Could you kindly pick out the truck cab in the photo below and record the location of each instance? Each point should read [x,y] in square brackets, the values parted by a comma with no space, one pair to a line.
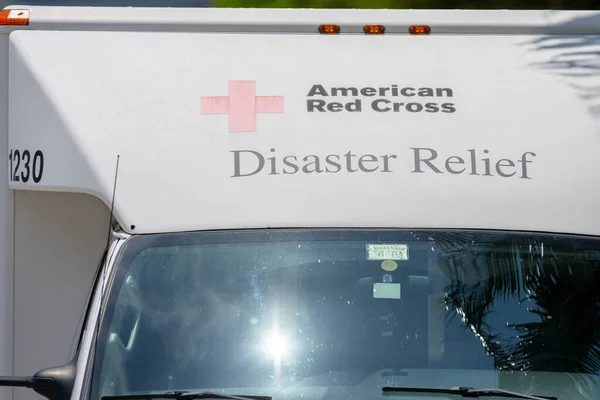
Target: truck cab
[299,204]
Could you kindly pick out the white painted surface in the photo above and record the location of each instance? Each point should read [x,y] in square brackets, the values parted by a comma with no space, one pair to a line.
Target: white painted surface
[6,232]
[59,239]
[99,94]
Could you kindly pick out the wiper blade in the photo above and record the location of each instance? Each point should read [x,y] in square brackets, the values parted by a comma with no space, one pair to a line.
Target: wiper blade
[468,392]
[183,395]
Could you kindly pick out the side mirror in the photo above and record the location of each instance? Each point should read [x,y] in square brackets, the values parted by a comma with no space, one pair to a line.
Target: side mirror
[53,383]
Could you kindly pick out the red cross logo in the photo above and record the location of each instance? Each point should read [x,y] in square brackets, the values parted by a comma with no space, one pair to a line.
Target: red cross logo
[242,104]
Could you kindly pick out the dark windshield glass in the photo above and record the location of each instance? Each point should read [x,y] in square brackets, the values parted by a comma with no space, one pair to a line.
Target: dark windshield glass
[299,314]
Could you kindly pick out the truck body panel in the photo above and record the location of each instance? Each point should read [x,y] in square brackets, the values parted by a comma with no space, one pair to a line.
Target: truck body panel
[313,126]
[6,232]
[59,240]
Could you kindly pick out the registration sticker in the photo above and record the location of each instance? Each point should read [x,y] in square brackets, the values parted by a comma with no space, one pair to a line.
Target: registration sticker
[386,291]
[387,252]
[389,265]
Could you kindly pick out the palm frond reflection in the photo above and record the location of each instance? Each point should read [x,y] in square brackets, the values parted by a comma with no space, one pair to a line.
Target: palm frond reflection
[558,289]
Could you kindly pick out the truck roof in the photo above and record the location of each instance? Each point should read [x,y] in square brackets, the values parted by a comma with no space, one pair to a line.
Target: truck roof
[503,22]
[218,129]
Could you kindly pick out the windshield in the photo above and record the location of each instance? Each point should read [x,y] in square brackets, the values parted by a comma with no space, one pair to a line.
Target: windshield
[322,314]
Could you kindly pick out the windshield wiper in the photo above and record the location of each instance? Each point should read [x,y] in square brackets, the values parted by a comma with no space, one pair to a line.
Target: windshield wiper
[468,392]
[183,395]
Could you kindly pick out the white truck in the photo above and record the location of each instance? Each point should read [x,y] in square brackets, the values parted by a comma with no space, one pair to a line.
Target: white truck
[299,204]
